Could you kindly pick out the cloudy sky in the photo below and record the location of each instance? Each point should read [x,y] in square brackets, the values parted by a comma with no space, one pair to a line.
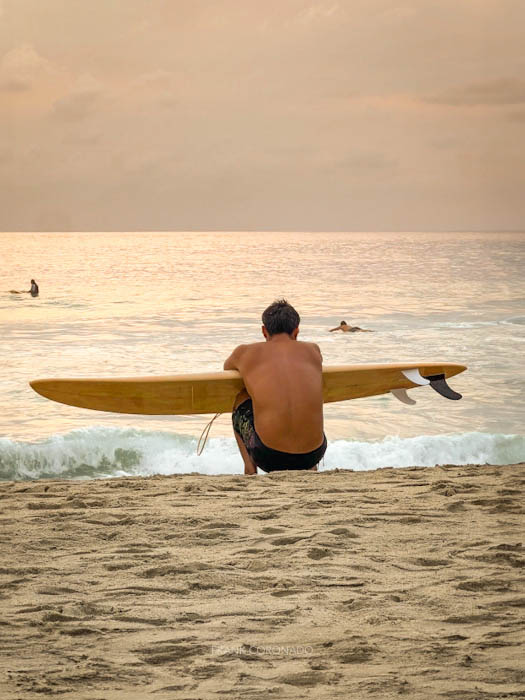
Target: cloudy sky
[262,115]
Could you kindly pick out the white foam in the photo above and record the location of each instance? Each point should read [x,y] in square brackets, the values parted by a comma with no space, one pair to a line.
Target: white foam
[107,452]
[426,451]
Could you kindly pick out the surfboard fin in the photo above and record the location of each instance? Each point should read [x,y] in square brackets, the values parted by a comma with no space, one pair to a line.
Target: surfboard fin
[415,377]
[439,384]
[401,395]
[436,381]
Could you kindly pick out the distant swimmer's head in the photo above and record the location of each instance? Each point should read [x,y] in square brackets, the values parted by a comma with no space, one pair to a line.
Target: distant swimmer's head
[280,317]
[343,323]
[33,282]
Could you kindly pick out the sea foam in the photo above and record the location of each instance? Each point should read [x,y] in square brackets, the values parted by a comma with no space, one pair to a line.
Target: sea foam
[98,452]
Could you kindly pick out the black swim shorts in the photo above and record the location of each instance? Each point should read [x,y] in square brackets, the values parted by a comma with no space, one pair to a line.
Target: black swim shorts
[266,458]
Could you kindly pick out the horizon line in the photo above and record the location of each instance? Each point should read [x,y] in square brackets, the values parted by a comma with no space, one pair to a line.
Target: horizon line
[254,230]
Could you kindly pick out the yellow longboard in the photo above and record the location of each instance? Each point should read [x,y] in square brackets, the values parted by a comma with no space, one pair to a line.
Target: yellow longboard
[215,392]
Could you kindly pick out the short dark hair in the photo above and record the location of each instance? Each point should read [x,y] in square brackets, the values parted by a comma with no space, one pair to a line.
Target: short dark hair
[280,317]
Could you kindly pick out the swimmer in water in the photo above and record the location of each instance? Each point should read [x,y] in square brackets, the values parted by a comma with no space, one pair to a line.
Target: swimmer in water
[343,326]
[33,291]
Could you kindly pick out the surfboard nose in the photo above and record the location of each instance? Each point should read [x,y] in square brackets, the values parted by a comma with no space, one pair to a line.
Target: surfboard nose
[39,385]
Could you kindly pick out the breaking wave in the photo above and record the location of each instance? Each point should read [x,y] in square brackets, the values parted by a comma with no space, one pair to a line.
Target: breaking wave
[98,452]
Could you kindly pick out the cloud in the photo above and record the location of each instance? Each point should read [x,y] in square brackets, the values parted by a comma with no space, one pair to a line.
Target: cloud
[290,106]
[80,101]
[505,91]
[155,87]
[317,11]
[22,67]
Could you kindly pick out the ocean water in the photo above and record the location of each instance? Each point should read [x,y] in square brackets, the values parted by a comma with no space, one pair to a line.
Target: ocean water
[124,304]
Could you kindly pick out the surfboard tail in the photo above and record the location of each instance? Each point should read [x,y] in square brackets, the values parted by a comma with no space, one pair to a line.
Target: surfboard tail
[438,382]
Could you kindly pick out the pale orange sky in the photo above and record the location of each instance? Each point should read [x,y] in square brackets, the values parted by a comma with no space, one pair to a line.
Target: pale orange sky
[262,115]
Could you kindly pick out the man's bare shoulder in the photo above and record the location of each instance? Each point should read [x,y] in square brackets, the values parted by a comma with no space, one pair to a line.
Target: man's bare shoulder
[312,347]
[233,360]
[249,348]
[309,344]
[240,354]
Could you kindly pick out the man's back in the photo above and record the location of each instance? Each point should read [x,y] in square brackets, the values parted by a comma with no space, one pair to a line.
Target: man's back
[284,380]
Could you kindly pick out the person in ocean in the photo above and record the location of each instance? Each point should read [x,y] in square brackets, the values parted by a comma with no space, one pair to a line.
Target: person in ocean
[278,418]
[343,326]
[34,291]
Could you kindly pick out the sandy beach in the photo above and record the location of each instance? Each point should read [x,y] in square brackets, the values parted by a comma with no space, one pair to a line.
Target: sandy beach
[332,585]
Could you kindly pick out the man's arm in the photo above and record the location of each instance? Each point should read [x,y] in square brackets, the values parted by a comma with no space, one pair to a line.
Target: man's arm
[335,329]
[233,360]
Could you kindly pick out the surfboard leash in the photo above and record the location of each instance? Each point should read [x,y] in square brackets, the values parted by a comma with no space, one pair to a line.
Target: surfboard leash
[204,435]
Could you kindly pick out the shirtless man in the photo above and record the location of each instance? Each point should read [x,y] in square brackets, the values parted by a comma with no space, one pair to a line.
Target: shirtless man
[343,326]
[278,419]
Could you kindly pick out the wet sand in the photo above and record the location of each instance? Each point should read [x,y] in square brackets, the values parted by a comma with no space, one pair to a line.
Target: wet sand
[395,582]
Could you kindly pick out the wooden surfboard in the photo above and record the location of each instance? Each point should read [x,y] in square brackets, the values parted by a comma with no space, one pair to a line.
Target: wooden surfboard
[215,392]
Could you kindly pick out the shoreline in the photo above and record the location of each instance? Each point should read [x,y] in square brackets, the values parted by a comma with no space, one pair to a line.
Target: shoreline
[325,585]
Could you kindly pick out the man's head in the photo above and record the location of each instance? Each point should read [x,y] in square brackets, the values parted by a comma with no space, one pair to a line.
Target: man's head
[280,317]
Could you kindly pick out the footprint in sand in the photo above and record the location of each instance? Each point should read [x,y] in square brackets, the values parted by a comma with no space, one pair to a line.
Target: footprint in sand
[501,558]
[508,602]
[154,621]
[309,679]
[456,507]
[208,671]
[19,570]
[344,532]
[59,617]
[285,541]
[170,651]
[424,561]
[55,590]
[120,566]
[484,585]
[471,619]
[499,505]
[317,553]
[266,515]
[173,570]
[518,547]
[43,506]
[358,654]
